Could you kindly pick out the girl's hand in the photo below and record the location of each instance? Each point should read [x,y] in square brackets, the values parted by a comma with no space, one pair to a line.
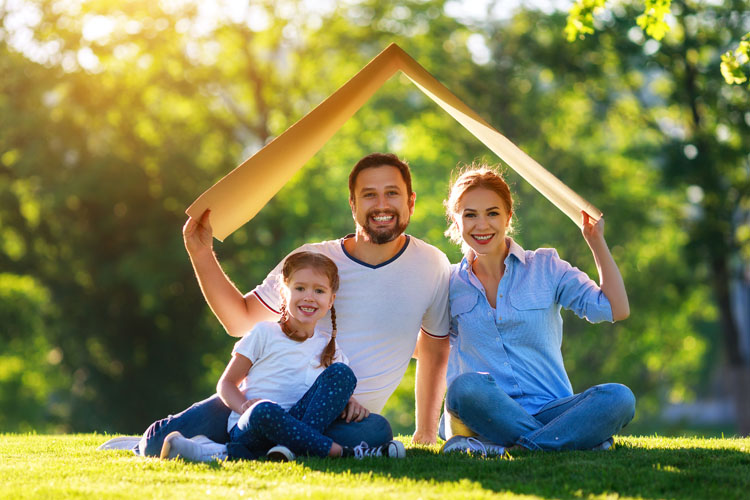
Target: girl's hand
[247,404]
[354,411]
[592,232]
[197,234]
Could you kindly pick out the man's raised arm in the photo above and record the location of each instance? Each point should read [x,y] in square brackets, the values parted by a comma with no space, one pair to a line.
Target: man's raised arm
[237,313]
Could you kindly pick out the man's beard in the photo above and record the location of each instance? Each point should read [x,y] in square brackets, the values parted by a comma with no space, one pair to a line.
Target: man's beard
[380,236]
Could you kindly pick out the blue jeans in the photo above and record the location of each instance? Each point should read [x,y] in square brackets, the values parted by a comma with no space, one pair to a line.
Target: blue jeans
[266,424]
[578,422]
[209,418]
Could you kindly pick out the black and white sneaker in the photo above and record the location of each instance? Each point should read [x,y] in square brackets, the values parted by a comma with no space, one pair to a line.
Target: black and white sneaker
[391,449]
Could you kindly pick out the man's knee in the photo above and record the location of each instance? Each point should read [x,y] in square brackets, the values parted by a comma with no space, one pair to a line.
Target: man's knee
[373,430]
[378,429]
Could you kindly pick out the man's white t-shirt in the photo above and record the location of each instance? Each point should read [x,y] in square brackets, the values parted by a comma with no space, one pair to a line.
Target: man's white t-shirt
[380,310]
[283,369]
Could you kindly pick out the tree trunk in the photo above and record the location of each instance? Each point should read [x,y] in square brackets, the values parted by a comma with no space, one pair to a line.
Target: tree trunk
[738,368]
[739,378]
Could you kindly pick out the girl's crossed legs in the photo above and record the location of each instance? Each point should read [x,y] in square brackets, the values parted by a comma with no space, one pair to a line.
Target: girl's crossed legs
[578,422]
[266,424]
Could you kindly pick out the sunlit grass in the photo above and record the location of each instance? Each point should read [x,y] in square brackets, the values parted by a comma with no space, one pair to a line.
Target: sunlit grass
[69,466]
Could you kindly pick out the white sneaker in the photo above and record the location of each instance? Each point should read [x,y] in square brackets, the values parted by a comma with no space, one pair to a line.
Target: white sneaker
[391,449]
[606,445]
[473,445]
[280,453]
[200,450]
[121,443]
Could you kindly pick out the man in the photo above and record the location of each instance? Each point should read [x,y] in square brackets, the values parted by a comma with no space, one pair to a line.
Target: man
[393,296]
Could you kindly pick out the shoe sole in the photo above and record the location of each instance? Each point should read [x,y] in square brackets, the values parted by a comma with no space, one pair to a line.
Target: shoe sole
[400,449]
[120,443]
[277,455]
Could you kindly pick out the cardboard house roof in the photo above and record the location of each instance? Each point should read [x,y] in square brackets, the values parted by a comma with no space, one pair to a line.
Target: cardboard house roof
[242,193]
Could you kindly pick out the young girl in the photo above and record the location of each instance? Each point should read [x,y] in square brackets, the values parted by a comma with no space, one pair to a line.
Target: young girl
[507,384]
[287,381]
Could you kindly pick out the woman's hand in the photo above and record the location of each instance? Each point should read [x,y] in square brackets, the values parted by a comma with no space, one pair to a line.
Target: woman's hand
[198,235]
[354,411]
[592,231]
[610,279]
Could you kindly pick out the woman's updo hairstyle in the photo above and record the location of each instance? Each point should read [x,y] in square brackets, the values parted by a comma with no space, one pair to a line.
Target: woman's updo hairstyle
[476,175]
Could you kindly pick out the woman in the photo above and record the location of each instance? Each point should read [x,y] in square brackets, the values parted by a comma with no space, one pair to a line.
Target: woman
[507,384]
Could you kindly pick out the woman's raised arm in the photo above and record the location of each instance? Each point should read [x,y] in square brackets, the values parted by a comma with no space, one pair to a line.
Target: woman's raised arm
[610,279]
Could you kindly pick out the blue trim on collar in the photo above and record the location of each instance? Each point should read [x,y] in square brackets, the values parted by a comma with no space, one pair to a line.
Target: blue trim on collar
[403,249]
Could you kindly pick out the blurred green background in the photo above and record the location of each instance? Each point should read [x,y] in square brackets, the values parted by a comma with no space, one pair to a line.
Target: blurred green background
[115,116]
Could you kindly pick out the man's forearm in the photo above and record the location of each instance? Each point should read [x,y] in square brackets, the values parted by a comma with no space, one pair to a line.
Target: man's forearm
[429,386]
[224,299]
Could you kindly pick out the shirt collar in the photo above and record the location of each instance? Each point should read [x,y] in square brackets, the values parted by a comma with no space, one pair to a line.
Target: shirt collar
[514,249]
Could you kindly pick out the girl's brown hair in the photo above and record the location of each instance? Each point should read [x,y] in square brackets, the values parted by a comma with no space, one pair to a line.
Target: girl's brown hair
[476,175]
[324,265]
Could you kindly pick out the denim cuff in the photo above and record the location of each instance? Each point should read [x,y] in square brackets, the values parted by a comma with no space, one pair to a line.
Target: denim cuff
[528,443]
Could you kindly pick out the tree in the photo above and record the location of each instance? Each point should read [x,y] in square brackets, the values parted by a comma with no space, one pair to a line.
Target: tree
[120,114]
[707,155]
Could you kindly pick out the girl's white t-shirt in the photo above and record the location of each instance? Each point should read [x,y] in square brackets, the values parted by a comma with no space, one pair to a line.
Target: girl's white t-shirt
[283,369]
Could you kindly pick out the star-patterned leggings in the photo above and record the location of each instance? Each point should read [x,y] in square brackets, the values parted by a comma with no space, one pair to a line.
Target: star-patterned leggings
[266,424]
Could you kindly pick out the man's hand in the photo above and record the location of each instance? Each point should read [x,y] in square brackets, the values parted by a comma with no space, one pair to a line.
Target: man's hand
[198,235]
[354,411]
[420,437]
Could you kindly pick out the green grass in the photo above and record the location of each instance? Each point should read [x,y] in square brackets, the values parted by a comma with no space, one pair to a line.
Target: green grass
[69,466]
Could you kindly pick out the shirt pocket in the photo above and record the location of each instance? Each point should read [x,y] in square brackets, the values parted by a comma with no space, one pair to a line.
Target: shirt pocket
[528,301]
[462,304]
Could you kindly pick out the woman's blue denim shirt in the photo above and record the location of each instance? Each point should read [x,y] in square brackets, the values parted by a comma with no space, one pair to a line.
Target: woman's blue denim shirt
[518,342]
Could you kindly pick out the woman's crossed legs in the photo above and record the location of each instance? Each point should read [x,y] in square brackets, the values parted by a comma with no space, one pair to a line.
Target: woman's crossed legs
[578,422]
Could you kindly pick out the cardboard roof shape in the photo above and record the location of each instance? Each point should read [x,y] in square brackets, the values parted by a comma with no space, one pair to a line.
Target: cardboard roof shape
[242,193]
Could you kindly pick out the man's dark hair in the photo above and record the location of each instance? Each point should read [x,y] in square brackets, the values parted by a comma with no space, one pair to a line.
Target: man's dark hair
[378,160]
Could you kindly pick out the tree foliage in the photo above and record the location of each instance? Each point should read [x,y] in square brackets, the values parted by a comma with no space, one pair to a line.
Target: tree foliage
[115,116]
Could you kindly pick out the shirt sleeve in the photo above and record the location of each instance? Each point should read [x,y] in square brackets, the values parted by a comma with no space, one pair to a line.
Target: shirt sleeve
[252,345]
[577,292]
[340,357]
[436,320]
[268,292]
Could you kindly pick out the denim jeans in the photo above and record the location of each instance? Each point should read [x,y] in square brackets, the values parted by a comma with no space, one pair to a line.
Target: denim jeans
[266,424]
[578,422]
[209,418]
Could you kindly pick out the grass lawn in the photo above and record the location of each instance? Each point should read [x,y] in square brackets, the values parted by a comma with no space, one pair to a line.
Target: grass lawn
[69,466]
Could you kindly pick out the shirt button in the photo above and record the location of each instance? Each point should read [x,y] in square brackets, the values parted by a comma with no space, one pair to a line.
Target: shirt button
[515,386]
[499,318]
[506,363]
[500,295]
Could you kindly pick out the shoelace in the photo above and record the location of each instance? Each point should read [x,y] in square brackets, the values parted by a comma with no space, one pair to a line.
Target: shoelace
[476,445]
[363,450]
